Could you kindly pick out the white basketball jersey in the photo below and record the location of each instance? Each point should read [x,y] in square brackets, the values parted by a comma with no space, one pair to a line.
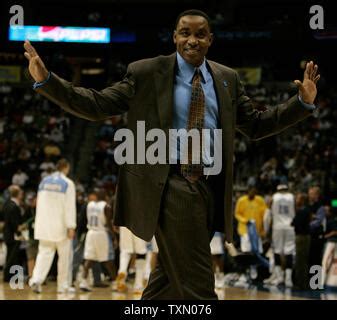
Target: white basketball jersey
[96,215]
[283,210]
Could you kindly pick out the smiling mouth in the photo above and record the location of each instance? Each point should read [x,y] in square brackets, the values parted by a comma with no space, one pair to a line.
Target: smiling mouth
[192,50]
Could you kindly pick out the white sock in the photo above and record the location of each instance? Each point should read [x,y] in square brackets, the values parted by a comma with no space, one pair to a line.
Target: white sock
[124,259]
[289,273]
[278,271]
[148,260]
[140,268]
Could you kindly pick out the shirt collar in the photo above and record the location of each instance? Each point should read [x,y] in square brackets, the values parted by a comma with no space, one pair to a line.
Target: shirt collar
[187,70]
[16,201]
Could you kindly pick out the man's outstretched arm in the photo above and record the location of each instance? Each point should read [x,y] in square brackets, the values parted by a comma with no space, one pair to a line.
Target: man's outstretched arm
[85,103]
[261,124]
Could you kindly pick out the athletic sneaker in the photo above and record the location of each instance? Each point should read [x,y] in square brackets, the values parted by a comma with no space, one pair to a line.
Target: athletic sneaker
[138,290]
[36,287]
[66,290]
[270,279]
[279,276]
[242,282]
[120,282]
[84,286]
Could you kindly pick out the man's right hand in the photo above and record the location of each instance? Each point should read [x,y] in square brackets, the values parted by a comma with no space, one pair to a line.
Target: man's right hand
[36,67]
[71,233]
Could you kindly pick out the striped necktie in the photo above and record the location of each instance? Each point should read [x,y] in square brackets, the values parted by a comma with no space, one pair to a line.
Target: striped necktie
[193,172]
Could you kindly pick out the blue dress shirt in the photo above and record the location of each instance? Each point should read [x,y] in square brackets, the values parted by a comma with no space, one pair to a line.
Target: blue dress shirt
[181,104]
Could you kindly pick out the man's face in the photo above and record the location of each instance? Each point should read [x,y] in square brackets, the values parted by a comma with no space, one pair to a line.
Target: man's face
[21,195]
[193,38]
[313,194]
[67,170]
[251,193]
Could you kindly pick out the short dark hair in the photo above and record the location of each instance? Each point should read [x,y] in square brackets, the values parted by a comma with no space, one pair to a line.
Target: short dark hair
[14,190]
[62,163]
[193,12]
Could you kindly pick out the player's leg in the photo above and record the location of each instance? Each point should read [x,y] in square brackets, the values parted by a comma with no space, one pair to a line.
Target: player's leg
[44,260]
[64,266]
[278,250]
[289,251]
[140,249]
[217,251]
[125,251]
[84,285]
[110,268]
[105,252]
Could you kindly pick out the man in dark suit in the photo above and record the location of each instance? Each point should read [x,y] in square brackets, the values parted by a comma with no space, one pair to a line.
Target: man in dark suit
[12,229]
[177,203]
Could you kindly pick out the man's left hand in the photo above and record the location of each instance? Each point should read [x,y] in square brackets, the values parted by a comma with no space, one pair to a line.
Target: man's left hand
[307,88]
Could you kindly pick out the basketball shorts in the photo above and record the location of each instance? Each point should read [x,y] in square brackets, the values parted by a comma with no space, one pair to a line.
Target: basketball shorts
[130,243]
[98,246]
[283,241]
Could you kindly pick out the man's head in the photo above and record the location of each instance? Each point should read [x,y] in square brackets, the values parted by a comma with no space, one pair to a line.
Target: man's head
[15,192]
[31,200]
[301,199]
[192,36]
[63,166]
[313,194]
[101,195]
[252,193]
[92,196]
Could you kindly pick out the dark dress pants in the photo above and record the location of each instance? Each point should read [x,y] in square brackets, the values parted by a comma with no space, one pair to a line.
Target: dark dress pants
[12,258]
[184,267]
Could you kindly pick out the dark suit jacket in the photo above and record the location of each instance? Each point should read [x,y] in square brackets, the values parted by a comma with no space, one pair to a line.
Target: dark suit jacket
[146,92]
[13,219]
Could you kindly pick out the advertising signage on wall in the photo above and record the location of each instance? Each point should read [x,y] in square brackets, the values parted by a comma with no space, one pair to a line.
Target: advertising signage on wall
[59,34]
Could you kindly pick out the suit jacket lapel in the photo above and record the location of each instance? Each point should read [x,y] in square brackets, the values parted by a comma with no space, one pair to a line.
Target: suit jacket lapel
[223,96]
[164,79]
[225,114]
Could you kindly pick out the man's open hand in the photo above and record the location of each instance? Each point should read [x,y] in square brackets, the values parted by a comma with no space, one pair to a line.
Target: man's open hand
[36,67]
[307,88]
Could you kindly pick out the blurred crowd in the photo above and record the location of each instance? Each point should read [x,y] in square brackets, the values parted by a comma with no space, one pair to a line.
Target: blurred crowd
[32,137]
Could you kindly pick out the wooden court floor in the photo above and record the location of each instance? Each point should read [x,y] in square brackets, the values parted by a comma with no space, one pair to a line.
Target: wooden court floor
[49,293]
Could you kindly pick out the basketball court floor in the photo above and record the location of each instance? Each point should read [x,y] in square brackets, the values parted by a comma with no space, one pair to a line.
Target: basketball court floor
[227,293]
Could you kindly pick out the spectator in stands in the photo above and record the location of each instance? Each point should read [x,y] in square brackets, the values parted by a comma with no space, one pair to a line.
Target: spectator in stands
[51,149]
[20,178]
[301,224]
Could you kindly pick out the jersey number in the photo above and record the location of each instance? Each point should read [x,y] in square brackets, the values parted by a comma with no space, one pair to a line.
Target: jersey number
[93,221]
[283,209]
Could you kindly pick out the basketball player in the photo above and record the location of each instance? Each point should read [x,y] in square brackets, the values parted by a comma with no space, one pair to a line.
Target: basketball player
[283,234]
[98,243]
[55,224]
[129,244]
